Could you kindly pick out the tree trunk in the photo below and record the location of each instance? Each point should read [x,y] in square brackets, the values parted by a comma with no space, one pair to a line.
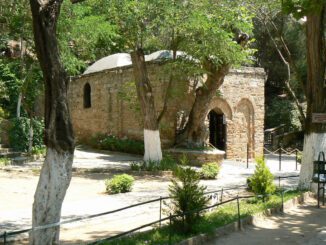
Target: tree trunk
[56,171]
[195,132]
[315,134]
[30,135]
[19,104]
[152,141]
[51,190]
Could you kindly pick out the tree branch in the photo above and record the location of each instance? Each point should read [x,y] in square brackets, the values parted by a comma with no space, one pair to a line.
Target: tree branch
[290,91]
[77,1]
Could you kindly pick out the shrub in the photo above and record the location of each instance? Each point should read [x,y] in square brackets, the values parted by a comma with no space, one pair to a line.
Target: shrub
[119,184]
[262,181]
[299,157]
[167,163]
[187,198]
[113,143]
[4,161]
[38,150]
[19,133]
[209,170]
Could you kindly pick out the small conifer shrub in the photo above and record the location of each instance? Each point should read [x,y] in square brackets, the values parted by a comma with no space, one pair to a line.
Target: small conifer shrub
[262,181]
[187,198]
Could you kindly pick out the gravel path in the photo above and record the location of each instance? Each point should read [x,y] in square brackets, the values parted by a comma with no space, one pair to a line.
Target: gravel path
[86,196]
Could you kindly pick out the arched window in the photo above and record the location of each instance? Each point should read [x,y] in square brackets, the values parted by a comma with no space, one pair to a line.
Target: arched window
[87,96]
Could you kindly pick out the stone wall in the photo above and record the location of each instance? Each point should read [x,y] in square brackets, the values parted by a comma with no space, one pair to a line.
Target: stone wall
[243,92]
[115,109]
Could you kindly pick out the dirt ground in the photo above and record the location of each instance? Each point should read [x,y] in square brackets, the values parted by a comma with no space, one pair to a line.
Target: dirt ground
[86,195]
[304,224]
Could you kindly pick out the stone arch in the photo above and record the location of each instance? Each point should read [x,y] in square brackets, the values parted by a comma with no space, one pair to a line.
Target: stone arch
[87,95]
[246,126]
[223,105]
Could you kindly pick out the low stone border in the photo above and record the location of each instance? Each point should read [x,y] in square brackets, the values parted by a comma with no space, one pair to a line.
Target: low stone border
[197,157]
[118,171]
[204,238]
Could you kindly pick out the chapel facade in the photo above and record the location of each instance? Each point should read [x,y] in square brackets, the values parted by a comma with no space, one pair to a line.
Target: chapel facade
[104,101]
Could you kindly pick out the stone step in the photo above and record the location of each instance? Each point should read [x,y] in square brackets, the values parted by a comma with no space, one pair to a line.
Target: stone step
[11,154]
[21,160]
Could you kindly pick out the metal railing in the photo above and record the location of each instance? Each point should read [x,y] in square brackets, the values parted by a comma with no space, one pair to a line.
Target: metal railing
[6,234]
[281,152]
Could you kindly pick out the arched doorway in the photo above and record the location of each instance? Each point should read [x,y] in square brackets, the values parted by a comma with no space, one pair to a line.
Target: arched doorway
[217,129]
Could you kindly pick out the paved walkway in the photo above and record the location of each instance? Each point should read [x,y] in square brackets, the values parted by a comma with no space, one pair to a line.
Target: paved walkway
[86,194]
[302,225]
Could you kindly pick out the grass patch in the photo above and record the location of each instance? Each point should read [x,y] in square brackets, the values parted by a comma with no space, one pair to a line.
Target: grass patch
[223,215]
[36,171]
[4,161]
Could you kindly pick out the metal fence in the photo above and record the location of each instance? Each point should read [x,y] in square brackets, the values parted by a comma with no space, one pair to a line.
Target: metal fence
[216,194]
[280,152]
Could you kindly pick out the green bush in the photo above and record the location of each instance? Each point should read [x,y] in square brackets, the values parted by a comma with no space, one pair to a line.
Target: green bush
[167,163]
[299,157]
[113,143]
[119,184]
[187,198]
[38,150]
[4,161]
[262,181]
[209,170]
[19,133]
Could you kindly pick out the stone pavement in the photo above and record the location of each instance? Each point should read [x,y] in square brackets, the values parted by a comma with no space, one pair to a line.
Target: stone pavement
[86,195]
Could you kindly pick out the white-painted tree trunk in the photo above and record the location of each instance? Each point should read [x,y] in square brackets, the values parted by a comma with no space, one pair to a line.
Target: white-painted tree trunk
[152,142]
[313,144]
[51,190]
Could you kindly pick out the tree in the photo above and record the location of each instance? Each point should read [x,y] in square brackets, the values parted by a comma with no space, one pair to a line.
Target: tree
[315,133]
[278,27]
[214,35]
[138,23]
[59,139]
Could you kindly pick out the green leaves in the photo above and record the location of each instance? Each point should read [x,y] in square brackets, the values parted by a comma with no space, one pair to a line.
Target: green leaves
[262,181]
[187,197]
[119,184]
[85,34]
[300,8]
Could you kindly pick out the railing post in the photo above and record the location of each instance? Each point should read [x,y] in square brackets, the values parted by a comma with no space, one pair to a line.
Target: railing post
[296,159]
[279,181]
[280,158]
[247,155]
[282,193]
[160,209]
[170,228]
[239,219]
[221,195]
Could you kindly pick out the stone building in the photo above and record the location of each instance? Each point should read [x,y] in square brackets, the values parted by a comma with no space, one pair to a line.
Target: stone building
[103,100]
